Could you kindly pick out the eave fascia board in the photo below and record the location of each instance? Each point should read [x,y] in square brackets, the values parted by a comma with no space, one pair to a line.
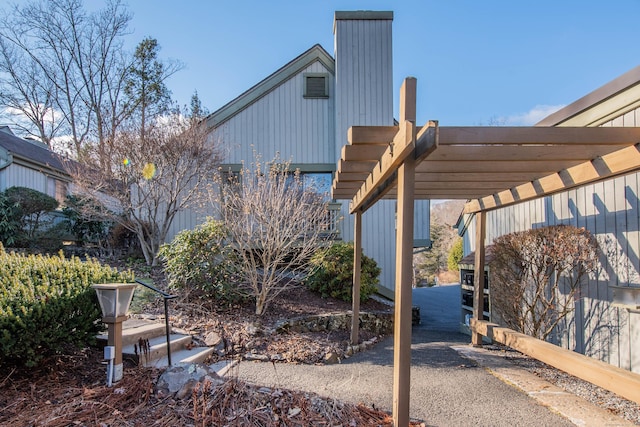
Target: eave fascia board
[591,100]
[253,94]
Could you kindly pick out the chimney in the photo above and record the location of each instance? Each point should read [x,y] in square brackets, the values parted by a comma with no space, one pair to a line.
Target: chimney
[363,71]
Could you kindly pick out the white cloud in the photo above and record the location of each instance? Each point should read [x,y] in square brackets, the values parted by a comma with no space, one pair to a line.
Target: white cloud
[532,116]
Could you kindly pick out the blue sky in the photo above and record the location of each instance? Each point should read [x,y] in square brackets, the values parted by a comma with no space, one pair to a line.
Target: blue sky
[476,62]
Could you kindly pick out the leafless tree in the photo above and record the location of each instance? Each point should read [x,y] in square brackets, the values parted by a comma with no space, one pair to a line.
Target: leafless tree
[64,69]
[275,224]
[536,275]
[146,182]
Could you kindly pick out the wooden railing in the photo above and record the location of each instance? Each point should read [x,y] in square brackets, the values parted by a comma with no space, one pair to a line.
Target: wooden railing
[620,381]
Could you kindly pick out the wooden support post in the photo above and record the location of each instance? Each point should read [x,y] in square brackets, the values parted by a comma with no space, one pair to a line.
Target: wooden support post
[478,275]
[404,272]
[404,266]
[357,267]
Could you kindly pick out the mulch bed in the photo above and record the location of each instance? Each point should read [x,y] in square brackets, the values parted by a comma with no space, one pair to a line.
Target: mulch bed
[70,389]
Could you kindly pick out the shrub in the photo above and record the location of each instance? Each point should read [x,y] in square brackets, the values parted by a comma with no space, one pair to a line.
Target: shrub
[47,303]
[82,221]
[332,274]
[537,274]
[31,205]
[455,255]
[9,220]
[197,261]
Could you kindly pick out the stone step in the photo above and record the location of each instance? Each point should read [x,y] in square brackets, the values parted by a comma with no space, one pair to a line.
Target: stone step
[134,329]
[184,356]
[158,347]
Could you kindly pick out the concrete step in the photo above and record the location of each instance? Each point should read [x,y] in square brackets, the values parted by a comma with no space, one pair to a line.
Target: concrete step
[158,347]
[134,329]
[194,355]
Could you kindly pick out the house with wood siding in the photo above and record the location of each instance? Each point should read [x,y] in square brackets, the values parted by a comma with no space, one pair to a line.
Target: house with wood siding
[606,321]
[31,164]
[302,112]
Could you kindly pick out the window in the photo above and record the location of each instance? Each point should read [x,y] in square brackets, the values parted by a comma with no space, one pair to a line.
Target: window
[316,85]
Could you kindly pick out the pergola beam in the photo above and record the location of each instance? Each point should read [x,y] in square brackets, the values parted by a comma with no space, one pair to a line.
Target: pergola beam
[537,136]
[616,163]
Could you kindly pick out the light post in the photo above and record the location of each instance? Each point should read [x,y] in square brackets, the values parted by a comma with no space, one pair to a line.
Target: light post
[114,299]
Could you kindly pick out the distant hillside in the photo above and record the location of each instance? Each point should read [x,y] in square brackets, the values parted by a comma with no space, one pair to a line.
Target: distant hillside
[447,213]
[434,262]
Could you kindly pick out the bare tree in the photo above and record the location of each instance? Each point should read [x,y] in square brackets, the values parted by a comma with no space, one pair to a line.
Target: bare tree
[64,69]
[148,181]
[275,224]
[536,275]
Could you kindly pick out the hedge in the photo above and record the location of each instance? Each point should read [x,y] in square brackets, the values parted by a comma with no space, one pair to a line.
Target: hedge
[47,304]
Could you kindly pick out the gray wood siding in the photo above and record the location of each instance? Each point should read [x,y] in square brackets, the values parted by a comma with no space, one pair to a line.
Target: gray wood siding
[364,96]
[611,211]
[281,122]
[299,129]
[20,176]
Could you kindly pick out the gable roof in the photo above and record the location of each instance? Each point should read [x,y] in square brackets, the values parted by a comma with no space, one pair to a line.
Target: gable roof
[289,70]
[33,152]
[611,100]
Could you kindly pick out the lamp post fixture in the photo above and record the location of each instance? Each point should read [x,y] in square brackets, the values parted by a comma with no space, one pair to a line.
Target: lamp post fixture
[114,299]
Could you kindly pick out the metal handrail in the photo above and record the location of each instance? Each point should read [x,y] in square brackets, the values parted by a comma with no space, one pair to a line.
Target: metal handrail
[165,297]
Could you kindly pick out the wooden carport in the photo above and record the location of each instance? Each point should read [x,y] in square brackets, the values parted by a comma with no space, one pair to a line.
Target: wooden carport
[491,167]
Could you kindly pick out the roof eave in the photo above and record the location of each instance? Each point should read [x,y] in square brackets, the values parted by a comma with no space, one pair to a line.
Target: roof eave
[598,97]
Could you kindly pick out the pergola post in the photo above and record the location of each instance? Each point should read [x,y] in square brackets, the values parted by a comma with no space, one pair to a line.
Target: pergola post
[478,275]
[357,268]
[404,268]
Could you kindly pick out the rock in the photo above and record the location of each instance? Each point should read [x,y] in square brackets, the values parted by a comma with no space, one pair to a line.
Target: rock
[187,389]
[258,357]
[254,329]
[277,358]
[331,358]
[212,339]
[181,378]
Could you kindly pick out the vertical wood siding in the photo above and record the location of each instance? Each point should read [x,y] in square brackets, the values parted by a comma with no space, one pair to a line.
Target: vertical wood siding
[299,129]
[20,176]
[364,97]
[281,122]
[611,211]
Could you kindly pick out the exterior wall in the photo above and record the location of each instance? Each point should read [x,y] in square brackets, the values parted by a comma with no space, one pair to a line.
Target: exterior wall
[611,211]
[299,129]
[283,121]
[20,176]
[364,97]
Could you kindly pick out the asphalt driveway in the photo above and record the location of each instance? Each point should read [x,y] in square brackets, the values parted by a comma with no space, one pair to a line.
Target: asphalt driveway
[446,388]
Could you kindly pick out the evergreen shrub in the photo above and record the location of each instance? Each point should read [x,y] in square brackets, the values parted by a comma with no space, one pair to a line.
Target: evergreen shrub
[198,262]
[47,304]
[332,273]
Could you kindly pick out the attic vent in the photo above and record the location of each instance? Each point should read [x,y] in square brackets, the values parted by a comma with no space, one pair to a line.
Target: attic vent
[316,86]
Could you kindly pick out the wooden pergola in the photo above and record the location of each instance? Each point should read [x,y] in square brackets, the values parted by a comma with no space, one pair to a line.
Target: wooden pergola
[491,167]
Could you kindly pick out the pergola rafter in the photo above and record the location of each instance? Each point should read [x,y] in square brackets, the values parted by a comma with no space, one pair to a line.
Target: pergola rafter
[491,167]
